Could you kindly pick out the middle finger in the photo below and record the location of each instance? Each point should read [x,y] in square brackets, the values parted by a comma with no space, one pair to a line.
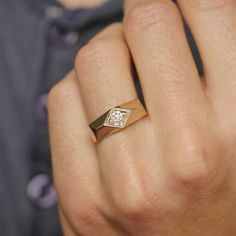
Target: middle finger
[169,78]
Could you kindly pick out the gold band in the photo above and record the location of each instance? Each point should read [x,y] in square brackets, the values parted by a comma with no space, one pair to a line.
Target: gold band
[117,119]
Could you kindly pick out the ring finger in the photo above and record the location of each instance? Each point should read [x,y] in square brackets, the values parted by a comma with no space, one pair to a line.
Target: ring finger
[105,80]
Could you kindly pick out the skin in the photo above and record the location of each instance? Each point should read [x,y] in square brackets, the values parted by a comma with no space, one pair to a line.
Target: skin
[172,173]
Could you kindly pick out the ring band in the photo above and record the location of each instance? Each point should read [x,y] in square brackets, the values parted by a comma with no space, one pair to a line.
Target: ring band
[117,119]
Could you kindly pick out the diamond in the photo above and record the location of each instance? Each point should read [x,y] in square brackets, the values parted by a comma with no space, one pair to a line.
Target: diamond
[117,118]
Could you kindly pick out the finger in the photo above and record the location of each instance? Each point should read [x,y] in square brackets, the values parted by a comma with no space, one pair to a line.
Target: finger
[169,78]
[213,24]
[73,153]
[74,161]
[105,81]
[173,91]
[166,68]
[104,66]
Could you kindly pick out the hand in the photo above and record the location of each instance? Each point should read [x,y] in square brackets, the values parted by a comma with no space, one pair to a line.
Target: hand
[172,173]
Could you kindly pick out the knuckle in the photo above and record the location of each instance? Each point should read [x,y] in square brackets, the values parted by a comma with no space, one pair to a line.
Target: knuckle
[97,55]
[197,176]
[198,165]
[143,195]
[55,95]
[60,94]
[85,215]
[141,203]
[151,15]
[209,4]
[92,53]
[136,209]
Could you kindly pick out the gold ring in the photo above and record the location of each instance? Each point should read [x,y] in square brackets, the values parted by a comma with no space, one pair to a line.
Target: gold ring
[116,119]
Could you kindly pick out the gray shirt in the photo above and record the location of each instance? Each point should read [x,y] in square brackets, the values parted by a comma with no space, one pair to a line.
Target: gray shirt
[38,43]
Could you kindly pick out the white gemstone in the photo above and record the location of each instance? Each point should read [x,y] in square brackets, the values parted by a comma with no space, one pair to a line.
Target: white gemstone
[117,117]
